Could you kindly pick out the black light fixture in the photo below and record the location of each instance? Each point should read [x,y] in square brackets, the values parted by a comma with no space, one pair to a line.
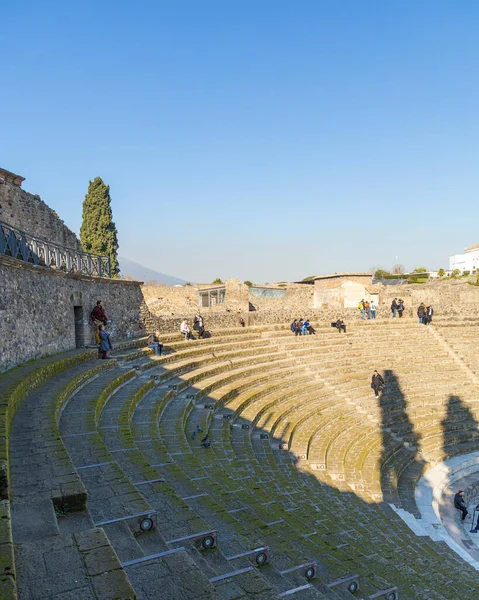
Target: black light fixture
[261,559]
[146,524]
[208,542]
[353,587]
[310,573]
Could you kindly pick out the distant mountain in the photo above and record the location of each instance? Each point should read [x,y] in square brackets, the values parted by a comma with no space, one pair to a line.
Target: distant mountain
[141,273]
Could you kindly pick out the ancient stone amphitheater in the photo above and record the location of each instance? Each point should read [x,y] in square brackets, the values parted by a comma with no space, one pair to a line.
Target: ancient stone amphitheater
[296,492]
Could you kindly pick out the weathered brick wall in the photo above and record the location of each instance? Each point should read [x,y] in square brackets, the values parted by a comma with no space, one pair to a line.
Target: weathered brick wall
[29,213]
[334,281]
[37,315]
[448,297]
[297,298]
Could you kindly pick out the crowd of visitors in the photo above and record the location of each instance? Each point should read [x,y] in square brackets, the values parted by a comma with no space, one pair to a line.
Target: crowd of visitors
[367,309]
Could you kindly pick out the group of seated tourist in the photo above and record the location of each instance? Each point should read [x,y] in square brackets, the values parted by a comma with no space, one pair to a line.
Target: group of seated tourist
[302,327]
[198,326]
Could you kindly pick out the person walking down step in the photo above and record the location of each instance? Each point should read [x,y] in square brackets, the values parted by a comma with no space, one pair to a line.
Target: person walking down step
[421,313]
[394,307]
[401,308]
[373,309]
[377,383]
[460,504]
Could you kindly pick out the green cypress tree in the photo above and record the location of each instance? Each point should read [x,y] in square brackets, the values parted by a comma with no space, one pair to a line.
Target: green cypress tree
[98,233]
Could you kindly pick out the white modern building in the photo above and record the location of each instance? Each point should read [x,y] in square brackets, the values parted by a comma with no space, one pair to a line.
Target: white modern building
[469,261]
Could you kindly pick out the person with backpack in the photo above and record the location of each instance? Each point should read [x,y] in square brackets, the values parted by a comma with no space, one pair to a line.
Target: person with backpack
[361,308]
[394,307]
[377,383]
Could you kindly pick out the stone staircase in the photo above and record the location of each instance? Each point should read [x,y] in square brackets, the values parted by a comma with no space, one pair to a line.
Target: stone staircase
[253,464]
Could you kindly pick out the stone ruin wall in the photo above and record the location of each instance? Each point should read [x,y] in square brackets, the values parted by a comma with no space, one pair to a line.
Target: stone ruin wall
[37,316]
[29,213]
[449,298]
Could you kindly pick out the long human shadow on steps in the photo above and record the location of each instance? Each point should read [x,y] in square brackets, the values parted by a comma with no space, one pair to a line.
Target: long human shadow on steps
[401,444]
[336,521]
[460,429]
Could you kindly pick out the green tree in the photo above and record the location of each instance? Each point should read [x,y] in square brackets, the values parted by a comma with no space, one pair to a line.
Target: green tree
[420,270]
[98,233]
[381,273]
[248,283]
[441,272]
[217,280]
[456,273]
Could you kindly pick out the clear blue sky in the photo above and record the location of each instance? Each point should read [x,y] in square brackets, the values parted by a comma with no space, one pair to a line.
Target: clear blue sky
[262,139]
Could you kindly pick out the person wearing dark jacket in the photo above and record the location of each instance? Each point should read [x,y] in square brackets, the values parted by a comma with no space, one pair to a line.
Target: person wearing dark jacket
[400,307]
[377,383]
[340,325]
[429,313]
[421,312]
[394,307]
[154,342]
[460,504]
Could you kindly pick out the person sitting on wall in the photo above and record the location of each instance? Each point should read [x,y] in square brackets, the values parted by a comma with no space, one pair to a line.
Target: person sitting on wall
[98,317]
[105,343]
[198,325]
[185,330]
[154,342]
[460,504]
[294,326]
[340,325]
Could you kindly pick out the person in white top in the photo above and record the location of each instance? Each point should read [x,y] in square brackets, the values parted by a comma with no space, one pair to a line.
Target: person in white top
[373,309]
[185,329]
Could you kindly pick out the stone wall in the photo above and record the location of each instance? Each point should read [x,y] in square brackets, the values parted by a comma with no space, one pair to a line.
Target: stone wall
[297,298]
[29,213]
[448,297]
[44,311]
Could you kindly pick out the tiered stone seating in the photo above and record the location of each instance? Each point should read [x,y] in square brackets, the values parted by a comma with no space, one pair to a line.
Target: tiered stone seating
[296,458]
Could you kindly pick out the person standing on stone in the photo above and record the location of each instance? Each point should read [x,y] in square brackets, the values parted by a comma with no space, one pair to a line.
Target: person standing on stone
[394,307]
[198,325]
[421,313]
[460,504]
[361,308]
[373,309]
[367,309]
[429,313]
[377,383]
[98,317]
[400,308]
[105,344]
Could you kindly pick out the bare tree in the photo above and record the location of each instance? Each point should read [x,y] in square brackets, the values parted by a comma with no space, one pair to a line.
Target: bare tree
[398,270]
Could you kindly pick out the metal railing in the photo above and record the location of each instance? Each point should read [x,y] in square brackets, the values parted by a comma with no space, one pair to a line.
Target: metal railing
[37,251]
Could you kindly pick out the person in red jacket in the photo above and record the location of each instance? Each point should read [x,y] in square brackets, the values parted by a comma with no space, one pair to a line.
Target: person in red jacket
[98,317]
